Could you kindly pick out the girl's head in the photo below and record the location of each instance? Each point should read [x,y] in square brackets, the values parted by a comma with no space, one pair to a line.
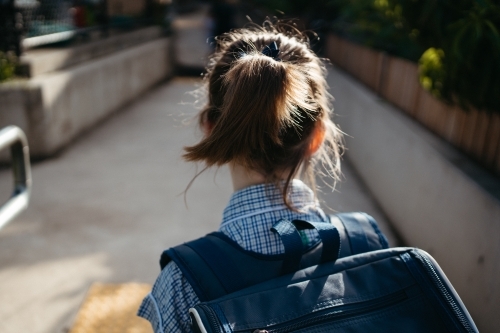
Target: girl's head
[268,110]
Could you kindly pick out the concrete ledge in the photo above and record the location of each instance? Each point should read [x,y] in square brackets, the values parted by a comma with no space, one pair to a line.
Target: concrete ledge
[20,105]
[54,108]
[41,61]
[431,202]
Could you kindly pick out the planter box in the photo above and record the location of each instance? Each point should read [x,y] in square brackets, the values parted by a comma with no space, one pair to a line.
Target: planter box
[435,198]
[399,83]
[362,62]
[396,80]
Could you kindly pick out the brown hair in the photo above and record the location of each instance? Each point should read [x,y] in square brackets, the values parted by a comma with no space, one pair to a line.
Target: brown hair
[262,111]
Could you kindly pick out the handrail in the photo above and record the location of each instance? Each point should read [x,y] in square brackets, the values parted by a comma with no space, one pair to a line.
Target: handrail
[13,137]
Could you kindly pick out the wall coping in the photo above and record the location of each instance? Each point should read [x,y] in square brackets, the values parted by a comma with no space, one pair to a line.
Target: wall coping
[40,61]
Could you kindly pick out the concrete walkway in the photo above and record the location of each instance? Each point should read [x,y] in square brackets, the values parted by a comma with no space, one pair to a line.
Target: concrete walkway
[106,207]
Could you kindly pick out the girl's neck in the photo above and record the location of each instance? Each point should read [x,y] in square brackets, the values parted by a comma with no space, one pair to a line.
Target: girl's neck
[243,177]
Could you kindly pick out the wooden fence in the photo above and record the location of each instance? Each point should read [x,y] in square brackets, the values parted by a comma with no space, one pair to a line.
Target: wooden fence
[474,132]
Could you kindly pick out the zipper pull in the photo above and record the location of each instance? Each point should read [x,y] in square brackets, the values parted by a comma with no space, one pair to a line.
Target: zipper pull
[259,331]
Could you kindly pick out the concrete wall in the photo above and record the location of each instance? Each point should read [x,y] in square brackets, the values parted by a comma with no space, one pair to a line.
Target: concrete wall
[45,60]
[53,108]
[432,203]
[21,105]
[191,34]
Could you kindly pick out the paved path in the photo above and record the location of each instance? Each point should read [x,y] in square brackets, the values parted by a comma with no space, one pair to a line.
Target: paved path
[104,209]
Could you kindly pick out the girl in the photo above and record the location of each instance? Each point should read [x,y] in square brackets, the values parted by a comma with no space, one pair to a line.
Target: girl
[267,118]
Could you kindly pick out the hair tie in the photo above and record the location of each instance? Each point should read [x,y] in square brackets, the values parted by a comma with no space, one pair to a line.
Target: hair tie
[272,51]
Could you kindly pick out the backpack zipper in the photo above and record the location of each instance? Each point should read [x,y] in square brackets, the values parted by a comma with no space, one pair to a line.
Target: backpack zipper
[212,317]
[337,313]
[438,283]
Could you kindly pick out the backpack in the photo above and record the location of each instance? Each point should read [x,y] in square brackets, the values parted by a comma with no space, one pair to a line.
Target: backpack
[349,282]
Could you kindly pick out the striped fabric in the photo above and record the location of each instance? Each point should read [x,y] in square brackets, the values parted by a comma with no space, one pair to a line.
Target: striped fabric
[250,214]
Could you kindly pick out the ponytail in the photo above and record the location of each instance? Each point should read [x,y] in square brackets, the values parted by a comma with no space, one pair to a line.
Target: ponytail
[262,99]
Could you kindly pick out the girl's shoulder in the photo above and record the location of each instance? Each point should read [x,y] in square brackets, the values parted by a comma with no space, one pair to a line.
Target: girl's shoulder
[166,307]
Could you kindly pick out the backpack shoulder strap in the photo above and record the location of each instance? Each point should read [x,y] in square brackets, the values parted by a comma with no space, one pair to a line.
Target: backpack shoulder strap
[215,265]
[359,233]
[204,265]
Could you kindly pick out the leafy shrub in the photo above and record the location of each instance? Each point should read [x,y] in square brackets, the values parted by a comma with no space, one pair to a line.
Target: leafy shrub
[8,63]
[431,70]
[456,42]
[379,24]
[468,43]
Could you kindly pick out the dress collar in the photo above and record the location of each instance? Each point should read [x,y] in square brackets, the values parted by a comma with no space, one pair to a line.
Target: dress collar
[262,198]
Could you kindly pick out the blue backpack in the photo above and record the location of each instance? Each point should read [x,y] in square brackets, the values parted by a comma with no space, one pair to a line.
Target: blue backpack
[349,282]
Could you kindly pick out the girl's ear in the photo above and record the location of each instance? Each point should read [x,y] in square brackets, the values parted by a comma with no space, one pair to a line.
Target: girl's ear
[318,135]
[207,127]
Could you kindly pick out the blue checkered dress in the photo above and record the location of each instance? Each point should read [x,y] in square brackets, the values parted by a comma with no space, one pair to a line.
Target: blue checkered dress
[250,214]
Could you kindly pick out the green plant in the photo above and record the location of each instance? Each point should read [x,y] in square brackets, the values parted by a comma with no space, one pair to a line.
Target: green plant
[8,63]
[468,70]
[431,70]
[456,43]
[379,24]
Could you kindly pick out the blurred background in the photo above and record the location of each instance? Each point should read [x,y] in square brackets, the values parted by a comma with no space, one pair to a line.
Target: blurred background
[107,92]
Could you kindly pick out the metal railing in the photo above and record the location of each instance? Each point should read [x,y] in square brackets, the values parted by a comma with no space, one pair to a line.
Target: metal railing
[14,137]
